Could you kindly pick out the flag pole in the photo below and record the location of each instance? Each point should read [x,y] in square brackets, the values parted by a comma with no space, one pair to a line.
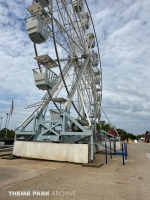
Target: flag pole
[11,110]
[8,121]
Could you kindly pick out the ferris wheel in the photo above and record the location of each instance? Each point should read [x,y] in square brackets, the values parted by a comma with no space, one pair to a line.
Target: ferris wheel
[72,76]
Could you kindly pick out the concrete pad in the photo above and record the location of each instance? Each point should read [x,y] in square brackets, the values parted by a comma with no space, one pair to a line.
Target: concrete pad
[13,172]
[93,164]
[110,182]
[148,155]
[5,153]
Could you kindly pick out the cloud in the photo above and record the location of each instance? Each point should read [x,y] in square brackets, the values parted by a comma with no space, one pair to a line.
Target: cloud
[122,28]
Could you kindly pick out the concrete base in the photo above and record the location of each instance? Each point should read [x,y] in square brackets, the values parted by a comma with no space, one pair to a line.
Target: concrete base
[77,153]
[101,146]
[93,164]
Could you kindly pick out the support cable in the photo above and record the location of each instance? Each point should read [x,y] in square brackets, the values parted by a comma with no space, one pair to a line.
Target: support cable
[110,122]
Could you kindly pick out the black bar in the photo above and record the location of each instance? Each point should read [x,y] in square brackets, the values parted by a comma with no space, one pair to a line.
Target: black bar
[123,155]
[106,153]
[110,151]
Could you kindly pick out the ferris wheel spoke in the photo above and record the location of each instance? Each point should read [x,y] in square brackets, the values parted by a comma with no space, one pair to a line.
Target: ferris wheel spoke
[69,50]
[35,49]
[76,82]
[61,28]
[72,23]
[93,91]
[59,62]
[87,95]
[63,41]
[58,40]
[62,18]
[86,91]
[84,107]
[58,82]
[81,32]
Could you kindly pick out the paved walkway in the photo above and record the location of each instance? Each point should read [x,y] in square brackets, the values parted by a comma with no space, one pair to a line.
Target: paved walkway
[59,180]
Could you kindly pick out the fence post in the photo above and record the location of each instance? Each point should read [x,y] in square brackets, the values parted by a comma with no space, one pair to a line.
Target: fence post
[110,151]
[106,152]
[114,147]
[126,154]
[123,154]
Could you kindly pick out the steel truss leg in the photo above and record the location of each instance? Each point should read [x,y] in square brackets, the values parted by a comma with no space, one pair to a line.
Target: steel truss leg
[92,148]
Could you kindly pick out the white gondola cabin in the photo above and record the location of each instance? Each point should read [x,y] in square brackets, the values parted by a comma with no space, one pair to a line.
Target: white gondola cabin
[44,3]
[85,21]
[98,97]
[44,80]
[91,40]
[97,80]
[95,59]
[47,78]
[38,30]
[77,5]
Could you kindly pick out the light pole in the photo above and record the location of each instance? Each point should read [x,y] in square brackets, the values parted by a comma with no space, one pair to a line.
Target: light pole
[6,125]
[1,124]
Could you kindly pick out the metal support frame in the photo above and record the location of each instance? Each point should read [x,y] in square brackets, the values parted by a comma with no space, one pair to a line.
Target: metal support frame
[65,22]
[50,134]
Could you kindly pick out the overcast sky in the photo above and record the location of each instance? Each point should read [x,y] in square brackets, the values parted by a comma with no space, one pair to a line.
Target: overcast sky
[123,32]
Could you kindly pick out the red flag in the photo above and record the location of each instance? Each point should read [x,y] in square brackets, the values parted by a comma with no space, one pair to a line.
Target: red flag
[12,107]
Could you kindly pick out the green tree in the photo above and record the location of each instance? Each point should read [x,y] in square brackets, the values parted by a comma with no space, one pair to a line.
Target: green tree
[123,132]
[140,136]
[10,133]
[131,136]
[106,127]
